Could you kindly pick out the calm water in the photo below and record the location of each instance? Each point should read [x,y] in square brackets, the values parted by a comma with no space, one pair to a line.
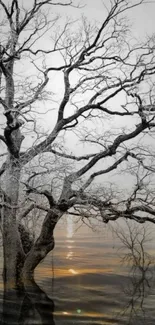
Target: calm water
[84,282]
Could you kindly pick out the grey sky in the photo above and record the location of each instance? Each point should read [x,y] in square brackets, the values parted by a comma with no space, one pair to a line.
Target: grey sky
[142,17]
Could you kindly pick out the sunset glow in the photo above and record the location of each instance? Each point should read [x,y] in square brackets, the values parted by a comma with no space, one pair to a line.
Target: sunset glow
[73,271]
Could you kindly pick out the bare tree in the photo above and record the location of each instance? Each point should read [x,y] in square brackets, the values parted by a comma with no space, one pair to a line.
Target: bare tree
[134,253]
[91,65]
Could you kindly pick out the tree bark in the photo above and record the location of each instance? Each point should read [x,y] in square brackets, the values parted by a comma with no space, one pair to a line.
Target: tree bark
[20,263]
[43,245]
[14,255]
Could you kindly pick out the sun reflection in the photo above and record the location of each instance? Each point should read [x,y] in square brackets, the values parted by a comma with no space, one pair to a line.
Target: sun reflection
[81,312]
[69,255]
[70,241]
[69,226]
[73,271]
[65,313]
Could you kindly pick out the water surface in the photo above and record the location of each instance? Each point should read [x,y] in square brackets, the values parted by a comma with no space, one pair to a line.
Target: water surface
[84,282]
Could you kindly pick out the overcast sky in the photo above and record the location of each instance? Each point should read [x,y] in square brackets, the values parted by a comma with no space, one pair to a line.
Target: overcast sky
[142,22]
[142,17]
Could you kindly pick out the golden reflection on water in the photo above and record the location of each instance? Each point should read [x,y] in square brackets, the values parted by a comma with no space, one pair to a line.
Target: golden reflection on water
[82,313]
[69,255]
[73,271]
[47,272]
[66,313]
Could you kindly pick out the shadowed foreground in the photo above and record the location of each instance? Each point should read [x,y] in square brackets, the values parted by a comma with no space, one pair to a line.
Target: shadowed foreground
[27,306]
[115,299]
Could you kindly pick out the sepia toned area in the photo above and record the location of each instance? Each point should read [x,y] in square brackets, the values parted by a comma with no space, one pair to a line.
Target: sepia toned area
[89,280]
[77,128]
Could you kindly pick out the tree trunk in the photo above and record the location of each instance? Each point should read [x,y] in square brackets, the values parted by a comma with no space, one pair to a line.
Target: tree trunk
[20,263]
[18,266]
[12,247]
[43,245]
[14,256]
